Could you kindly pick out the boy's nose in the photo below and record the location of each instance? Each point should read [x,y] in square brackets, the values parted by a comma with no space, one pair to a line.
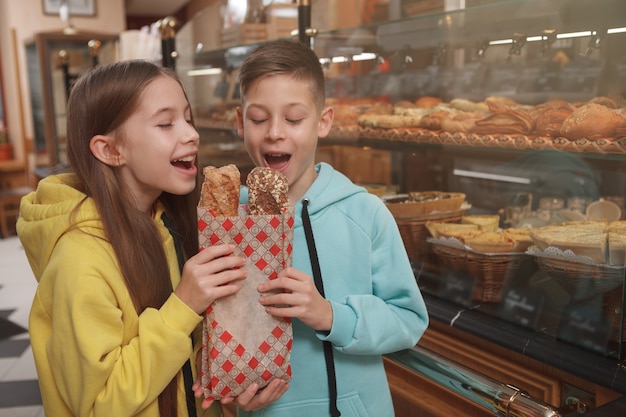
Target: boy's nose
[275,131]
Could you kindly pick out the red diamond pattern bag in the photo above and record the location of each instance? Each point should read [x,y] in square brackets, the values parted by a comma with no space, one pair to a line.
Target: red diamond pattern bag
[241,343]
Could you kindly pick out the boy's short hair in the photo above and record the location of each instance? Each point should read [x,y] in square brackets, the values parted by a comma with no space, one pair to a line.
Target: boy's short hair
[284,57]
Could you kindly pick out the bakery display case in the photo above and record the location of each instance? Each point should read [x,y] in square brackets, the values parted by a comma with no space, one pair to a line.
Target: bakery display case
[496,134]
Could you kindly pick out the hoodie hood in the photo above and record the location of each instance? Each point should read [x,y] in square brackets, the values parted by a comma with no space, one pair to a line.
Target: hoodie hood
[49,212]
[320,194]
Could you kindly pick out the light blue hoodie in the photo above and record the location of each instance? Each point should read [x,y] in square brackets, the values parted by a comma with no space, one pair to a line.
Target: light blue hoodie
[377,305]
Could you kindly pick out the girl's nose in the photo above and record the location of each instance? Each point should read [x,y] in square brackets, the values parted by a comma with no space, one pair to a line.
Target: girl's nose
[191,134]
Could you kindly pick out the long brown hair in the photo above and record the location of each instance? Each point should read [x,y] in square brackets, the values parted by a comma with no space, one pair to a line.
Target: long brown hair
[100,102]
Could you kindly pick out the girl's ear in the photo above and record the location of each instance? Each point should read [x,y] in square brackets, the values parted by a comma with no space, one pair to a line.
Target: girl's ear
[239,122]
[326,121]
[104,149]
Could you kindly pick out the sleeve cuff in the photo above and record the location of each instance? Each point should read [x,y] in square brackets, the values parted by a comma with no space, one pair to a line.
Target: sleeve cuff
[342,330]
[177,315]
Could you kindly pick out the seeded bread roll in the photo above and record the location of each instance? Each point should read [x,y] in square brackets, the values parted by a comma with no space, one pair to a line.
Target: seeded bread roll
[592,122]
[220,190]
[267,191]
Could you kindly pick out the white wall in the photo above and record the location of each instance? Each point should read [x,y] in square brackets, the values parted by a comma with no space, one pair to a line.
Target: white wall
[19,21]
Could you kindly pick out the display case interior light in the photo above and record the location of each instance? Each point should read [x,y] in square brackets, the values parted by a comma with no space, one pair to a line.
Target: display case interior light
[204,71]
[560,36]
[490,176]
[363,56]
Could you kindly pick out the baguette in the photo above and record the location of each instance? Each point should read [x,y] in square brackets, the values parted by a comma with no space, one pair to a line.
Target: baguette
[220,190]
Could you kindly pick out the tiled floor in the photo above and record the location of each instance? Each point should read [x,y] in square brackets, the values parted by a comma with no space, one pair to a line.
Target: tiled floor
[19,392]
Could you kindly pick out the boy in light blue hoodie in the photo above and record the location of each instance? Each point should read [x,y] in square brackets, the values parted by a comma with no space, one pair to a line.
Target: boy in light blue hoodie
[371,304]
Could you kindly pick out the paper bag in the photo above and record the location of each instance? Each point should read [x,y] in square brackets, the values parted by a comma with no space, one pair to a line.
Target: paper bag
[242,343]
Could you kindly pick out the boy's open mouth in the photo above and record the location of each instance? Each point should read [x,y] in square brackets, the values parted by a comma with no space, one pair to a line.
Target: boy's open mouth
[277,161]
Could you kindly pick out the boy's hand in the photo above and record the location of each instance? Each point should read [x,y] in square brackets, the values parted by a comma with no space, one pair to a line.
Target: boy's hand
[293,294]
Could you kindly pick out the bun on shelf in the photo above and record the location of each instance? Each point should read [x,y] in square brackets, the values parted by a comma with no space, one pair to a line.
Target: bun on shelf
[427,101]
[591,121]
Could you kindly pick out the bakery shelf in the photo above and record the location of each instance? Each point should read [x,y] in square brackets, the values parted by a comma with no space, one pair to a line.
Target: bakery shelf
[425,136]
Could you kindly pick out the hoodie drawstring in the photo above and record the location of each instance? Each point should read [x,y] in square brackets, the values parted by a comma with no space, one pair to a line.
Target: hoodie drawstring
[317,276]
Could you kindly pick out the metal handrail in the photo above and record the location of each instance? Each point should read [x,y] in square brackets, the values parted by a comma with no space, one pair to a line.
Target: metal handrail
[504,400]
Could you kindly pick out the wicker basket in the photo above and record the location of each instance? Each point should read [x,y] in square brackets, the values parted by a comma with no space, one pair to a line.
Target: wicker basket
[490,271]
[414,234]
[582,280]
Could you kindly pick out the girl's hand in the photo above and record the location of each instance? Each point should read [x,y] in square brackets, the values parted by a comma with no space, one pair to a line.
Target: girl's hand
[211,274]
[253,399]
[293,294]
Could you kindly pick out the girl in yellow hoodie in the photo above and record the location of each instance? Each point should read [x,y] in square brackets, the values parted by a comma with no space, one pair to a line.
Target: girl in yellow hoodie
[115,321]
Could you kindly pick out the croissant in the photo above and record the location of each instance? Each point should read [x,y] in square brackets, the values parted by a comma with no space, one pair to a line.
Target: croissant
[549,122]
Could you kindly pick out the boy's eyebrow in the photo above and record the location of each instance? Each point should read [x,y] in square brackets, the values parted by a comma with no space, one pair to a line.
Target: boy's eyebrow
[292,104]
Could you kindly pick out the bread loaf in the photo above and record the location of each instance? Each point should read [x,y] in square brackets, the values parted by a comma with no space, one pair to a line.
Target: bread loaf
[267,191]
[220,190]
[591,121]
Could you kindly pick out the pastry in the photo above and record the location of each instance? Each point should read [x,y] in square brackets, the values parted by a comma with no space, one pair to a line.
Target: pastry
[549,121]
[505,120]
[220,190]
[485,222]
[427,102]
[345,115]
[584,238]
[459,231]
[432,121]
[468,105]
[463,122]
[267,191]
[388,121]
[491,242]
[592,122]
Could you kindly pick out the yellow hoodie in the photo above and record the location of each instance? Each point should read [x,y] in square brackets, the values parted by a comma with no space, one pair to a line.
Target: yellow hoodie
[94,355]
